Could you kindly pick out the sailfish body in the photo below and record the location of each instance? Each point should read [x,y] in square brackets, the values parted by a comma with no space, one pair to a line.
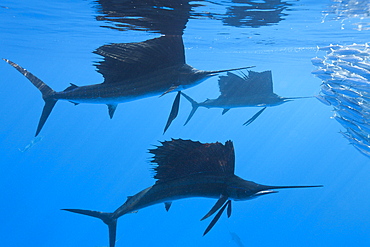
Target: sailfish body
[252,90]
[257,100]
[131,71]
[256,89]
[184,169]
[143,86]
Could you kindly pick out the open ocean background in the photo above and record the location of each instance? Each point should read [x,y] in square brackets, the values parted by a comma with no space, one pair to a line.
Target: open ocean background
[86,160]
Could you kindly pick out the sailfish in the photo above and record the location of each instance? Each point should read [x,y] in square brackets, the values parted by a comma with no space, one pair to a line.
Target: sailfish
[184,169]
[254,89]
[131,71]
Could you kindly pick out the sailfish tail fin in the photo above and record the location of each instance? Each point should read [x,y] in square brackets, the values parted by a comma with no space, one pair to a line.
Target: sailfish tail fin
[45,90]
[107,218]
[194,104]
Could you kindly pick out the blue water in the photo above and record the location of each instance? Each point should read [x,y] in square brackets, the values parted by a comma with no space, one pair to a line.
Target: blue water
[86,160]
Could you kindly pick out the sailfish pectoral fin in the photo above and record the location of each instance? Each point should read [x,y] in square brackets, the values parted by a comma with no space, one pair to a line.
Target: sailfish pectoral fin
[172,88]
[217,216]
[254,117]
[228,208]
[216,207]
[111,110]
[174,111]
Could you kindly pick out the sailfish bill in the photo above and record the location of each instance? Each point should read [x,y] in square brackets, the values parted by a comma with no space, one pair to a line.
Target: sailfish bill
[185,169]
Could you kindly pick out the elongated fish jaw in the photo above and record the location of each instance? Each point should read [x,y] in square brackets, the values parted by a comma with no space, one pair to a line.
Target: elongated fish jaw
[194,78]
[203,74]
[286,100]
[240,189]
[264,192]
[250,196]
[299,97]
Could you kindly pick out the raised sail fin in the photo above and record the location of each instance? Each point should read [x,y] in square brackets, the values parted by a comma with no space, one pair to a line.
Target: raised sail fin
[180,158]
[255,83]
[125,61]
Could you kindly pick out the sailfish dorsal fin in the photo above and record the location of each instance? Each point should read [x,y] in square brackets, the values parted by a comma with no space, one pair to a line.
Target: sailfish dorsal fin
[255,83]
[125,61]
[180,158]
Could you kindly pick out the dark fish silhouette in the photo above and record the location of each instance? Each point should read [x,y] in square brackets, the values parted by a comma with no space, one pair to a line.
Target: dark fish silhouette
[255,13]
[131,71]
[174,111]
[163,16]
[235,237]
[256,89]
[183,169]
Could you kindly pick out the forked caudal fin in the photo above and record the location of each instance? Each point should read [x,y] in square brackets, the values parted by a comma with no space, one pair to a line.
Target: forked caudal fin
[45,90]
[105,217]
[194,104]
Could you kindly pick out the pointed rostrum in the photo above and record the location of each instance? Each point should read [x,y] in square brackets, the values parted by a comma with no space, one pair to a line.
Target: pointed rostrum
[255,83]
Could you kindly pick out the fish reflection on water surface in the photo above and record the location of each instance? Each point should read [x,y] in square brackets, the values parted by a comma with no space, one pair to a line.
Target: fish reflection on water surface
[345,75]
[184,169]
[131,71]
